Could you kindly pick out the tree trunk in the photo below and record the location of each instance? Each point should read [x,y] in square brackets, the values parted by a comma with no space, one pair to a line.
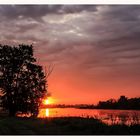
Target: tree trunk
[12,111]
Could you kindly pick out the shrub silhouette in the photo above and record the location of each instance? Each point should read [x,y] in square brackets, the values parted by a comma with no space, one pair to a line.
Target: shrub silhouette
[22,82]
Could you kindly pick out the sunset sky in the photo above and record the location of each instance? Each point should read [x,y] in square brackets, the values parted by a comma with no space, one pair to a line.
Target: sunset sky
[95,49]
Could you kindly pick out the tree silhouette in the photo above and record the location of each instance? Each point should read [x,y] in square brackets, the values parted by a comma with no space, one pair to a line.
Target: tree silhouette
[123,102]
[22,82]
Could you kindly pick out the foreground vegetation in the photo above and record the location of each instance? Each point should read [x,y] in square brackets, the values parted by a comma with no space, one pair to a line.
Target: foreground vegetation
[62,126]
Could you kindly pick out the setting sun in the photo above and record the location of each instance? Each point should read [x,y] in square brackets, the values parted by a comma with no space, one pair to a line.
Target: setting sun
[46,102]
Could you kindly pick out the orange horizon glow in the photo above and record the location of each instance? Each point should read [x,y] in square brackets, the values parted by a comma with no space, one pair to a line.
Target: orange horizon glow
[74,89]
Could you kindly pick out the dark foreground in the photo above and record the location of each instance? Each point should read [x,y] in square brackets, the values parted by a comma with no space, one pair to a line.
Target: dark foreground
[62,126]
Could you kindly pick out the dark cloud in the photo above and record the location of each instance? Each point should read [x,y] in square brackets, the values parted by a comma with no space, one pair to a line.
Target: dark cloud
[26,11]
[121,12]
[37,11]
[94,35]
[77,8]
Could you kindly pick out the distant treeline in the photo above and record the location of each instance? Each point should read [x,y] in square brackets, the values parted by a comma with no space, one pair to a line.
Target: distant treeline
[122,103]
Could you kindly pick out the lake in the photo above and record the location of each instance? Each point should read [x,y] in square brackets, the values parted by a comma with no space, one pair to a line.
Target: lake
[108,116]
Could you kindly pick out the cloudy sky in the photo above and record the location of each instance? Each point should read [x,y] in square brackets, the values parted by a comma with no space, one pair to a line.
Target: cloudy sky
[95,49]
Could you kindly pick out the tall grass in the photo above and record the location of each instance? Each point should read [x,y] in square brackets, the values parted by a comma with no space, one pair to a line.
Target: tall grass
[63,126]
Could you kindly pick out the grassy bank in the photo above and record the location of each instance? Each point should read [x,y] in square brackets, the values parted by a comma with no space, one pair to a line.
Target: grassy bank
[62,126]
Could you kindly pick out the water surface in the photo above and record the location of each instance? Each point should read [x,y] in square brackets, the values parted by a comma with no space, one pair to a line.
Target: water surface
[108,116]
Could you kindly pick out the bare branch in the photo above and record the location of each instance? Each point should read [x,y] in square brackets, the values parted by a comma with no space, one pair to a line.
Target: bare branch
[48,70]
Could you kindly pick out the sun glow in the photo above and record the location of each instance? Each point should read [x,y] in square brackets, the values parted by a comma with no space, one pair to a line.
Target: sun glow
[46,102]
[49,101]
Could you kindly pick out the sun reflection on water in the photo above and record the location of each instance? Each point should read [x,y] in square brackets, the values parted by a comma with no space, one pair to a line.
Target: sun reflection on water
[43,113]
[47,112]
